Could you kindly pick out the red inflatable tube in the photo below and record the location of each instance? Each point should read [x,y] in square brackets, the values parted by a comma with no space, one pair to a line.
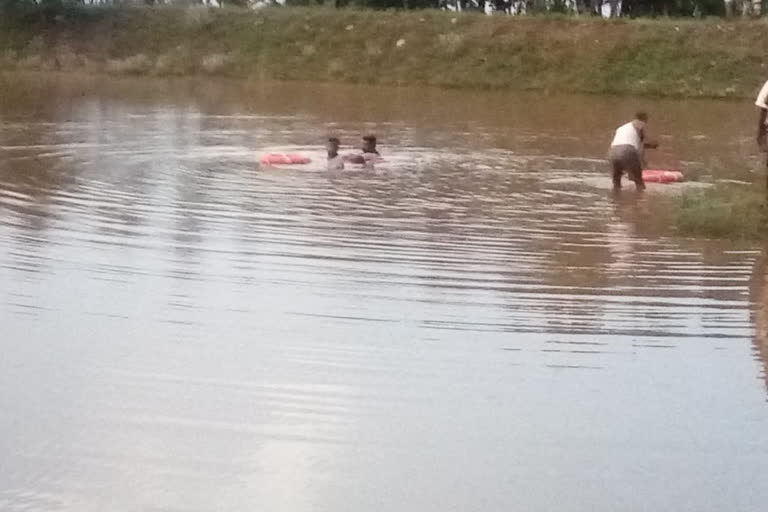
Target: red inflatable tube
[279,159]
[662,176]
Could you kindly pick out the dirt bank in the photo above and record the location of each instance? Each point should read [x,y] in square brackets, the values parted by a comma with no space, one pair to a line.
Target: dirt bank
[653,57]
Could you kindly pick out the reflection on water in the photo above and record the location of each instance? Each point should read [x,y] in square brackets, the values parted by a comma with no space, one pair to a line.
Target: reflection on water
[760,312]
[469,327]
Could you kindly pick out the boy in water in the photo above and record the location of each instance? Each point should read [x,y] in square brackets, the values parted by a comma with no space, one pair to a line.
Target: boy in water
[626,153]
[335,160]
[369,152]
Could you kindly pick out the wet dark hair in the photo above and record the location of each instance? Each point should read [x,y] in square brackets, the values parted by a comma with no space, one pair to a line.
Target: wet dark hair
[642,115]
[334,140]
[370,138]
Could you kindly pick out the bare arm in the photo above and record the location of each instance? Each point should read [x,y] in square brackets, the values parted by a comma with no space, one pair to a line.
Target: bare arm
[647,143]
[761,128]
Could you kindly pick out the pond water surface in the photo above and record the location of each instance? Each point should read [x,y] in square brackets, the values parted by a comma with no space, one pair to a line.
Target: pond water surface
[478,324]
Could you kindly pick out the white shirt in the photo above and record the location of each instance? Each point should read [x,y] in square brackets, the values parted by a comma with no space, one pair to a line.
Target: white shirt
[627,135]
[762,97]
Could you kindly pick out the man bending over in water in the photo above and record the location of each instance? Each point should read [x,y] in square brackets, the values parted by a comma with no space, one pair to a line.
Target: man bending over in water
[369,152]
[626,153]
[335,160]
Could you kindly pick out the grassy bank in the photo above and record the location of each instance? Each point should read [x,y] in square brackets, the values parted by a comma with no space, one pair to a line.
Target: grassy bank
[724,211]
[655,57]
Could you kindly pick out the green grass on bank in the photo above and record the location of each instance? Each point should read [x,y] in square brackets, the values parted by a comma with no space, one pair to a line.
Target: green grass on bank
[728,212]
[704,58]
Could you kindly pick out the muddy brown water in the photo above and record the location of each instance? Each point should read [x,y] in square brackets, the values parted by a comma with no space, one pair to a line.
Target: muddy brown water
[477,325]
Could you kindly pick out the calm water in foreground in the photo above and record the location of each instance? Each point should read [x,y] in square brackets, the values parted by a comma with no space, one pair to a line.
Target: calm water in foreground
[478,325]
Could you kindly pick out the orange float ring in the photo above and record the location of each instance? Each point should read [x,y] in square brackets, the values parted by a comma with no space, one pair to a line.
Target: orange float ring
[280,159]
[662,176]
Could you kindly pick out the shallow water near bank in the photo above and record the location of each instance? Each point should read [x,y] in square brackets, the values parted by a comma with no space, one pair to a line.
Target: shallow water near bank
[476,325]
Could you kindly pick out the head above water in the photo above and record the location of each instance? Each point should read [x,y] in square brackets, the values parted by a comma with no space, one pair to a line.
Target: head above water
[369,144]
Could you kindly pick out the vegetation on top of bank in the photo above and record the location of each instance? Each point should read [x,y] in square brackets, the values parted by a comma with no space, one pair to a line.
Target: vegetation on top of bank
[565,54]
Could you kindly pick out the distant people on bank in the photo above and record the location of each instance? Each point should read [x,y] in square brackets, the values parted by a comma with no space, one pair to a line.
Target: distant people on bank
[368,154]
[335,160]
[518,8]
[604,8]
[626,155]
